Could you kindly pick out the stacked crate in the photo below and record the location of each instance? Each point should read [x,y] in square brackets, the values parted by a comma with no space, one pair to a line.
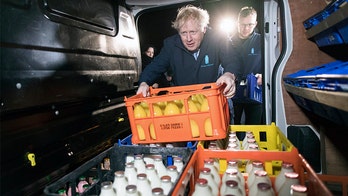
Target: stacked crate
[210,114]
[274,148]
[329,26]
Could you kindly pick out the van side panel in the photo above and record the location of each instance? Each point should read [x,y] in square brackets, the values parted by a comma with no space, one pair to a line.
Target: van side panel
[65,69]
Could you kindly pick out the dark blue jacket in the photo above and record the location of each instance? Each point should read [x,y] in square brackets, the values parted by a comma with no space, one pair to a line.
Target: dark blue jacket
[250,51]
[214,50]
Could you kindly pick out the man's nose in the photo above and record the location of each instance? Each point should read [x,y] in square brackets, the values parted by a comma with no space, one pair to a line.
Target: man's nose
[188,37]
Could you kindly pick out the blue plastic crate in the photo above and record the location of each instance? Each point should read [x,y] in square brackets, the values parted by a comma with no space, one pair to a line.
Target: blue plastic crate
[328,38]
[249,92]
[315,19]
[332,76]
[320,69]
[338,71]
[342,28]
[322,15]
[333,36]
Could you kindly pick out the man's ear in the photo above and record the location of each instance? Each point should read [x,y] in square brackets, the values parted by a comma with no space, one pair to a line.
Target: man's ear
[204,29]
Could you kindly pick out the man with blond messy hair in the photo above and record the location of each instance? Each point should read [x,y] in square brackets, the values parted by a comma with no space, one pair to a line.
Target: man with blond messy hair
[193,54]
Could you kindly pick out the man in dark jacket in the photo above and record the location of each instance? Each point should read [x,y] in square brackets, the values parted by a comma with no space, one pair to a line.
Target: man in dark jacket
[193,55]
[248,42]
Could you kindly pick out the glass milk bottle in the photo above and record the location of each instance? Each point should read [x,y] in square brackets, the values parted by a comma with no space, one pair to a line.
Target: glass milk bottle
[139,163]
[232,147]
[217,163]
[213,146]
[234,139]
[253,147]
[255,166]
[202,188]
[179,164]
[298,190]
[120,183]
[249,142]
[231,174]
[233,164]
[172,172]
[232,188]
[250,165]
[248,135]
[209,163]
[159,166]
[131,190]
[206,174]
[143,185]
[260,176]
[148,159]
[152,175]
[166,184]
[106,189]
[130,173]
[280,178]
[263,189]
[241,138]
[291,178]
[129,158]
[158,191]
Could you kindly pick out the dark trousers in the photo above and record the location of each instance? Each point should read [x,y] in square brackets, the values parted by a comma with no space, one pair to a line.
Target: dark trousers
[252,112]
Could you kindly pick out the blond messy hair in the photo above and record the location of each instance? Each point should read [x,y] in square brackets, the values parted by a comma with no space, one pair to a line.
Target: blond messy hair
[199,15]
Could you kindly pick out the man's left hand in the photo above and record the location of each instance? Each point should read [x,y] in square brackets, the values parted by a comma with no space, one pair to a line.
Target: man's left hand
[259,79]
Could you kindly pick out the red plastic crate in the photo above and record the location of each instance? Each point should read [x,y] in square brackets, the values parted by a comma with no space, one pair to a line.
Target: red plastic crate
[184,124]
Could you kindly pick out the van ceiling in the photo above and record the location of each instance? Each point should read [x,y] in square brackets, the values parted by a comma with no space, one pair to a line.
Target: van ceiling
[138,5]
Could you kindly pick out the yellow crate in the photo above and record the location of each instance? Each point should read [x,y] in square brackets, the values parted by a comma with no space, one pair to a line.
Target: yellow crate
[269,137]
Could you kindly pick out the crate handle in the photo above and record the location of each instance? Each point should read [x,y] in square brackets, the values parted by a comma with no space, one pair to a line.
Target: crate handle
[180,89]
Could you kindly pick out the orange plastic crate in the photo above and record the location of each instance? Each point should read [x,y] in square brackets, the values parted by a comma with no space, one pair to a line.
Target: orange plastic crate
[336,180]
[177,126]
[308,177]
[275,149]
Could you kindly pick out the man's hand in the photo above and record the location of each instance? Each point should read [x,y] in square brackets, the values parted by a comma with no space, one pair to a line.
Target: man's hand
[228,79]
[259,79]
[144,89]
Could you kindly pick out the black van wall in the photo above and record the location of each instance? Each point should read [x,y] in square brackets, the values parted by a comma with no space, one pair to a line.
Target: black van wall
[65,69]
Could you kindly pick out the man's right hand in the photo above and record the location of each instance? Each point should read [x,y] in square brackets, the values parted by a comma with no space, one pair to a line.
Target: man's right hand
[144,89]
[229,79]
